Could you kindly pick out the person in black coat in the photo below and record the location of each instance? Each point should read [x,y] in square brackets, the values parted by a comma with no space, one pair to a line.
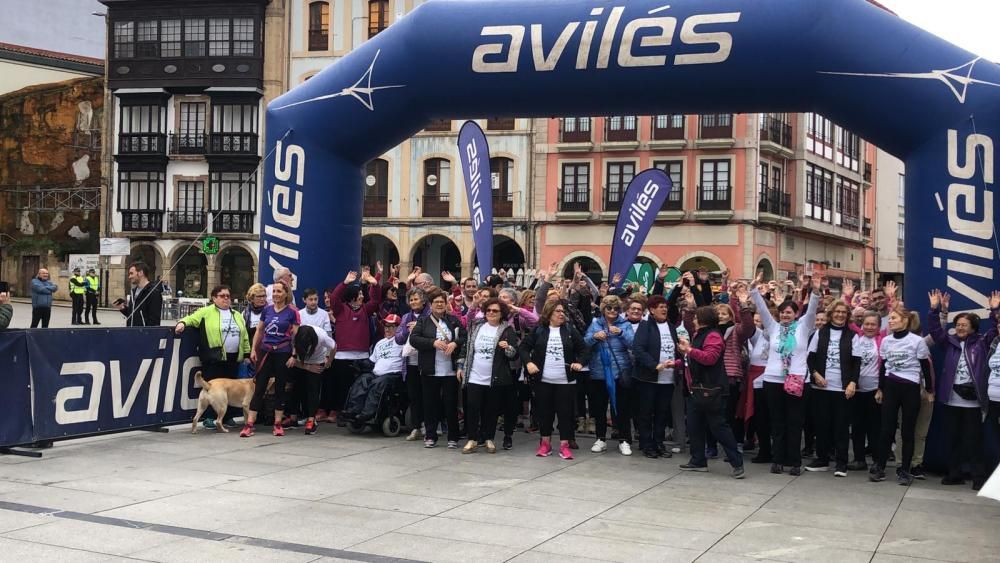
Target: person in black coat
[145,301]
[439,338]
[553,355]
[657,368]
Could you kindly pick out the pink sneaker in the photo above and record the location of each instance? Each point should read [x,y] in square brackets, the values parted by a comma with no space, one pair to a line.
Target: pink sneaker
[544,449]
[278,430]
[564,451]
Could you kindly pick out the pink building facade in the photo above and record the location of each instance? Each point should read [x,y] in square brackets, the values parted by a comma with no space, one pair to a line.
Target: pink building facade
[786,193]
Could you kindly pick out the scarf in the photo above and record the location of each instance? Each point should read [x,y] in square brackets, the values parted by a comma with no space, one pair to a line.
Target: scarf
[609,375]
[786,346]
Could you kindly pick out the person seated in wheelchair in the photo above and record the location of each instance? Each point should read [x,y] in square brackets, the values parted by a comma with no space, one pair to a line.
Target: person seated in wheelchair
[384,373]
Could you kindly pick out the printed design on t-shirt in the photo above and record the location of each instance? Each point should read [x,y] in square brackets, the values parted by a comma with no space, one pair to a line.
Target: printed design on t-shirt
[833,356]
[682,332]
[485,346]
[273,327]
[443,333]
[868,353]
[897,359]
[962,374]
[384,350]
[765,348]
[667,349]
[995,370]
[554,352]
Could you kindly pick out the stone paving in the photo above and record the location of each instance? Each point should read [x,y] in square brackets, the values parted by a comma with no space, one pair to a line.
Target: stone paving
[334,496]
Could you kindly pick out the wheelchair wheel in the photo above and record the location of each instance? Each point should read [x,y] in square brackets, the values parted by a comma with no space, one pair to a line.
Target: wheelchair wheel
[356,427]
[391,426]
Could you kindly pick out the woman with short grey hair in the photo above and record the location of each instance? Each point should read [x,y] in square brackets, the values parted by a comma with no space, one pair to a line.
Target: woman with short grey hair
[417,300]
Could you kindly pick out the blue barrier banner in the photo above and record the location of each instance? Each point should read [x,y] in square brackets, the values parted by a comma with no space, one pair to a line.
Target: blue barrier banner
[93,381]
[15,389]
[474,153]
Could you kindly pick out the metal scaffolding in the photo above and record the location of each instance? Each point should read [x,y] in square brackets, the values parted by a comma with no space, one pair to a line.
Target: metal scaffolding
[52,198]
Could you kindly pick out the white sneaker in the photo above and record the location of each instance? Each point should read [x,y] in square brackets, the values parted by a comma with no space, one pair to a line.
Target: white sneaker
[599,446]
[624,448]
[414,435]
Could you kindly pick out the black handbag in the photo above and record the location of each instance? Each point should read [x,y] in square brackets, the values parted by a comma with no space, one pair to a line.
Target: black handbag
[706,398]
[966,390]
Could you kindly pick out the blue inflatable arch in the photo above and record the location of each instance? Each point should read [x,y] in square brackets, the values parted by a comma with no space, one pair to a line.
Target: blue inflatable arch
[924,100]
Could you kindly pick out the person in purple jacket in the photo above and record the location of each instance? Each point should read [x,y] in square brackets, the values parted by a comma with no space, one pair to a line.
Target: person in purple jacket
[962,386]
[417,301]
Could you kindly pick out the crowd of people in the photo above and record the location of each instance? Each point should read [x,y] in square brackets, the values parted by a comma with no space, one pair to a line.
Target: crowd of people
[800,377]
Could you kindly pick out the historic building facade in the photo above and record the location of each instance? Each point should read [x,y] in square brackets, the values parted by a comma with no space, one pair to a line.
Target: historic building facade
[785,193]
[189,87]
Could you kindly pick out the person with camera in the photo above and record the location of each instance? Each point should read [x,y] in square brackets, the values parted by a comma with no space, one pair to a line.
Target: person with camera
[144,305]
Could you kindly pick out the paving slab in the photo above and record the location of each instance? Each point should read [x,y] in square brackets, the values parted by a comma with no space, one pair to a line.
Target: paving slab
[336,496]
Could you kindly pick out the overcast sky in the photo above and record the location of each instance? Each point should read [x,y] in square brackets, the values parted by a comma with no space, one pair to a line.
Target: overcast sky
[970,24]
[66,26]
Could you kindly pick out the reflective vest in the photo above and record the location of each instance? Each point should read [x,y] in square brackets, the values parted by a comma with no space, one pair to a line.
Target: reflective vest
[76,285]
[93,283]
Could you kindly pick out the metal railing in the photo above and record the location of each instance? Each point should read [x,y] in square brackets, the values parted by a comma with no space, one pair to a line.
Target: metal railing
[775,202]
[437,205]
[142,143]
[233,143]
[233,221]
[186,221]
[675,201]
[376,206]
[776,131]
[574,201]
[187,143]
[142,220]
[715,198]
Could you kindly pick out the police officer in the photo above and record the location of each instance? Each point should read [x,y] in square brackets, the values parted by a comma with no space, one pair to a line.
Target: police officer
[77,288]
[93,283]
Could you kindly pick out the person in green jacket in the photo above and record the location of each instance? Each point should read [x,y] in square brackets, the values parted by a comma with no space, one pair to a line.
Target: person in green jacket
[224,343]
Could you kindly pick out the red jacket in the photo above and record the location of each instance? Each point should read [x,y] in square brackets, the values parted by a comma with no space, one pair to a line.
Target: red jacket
[353,329]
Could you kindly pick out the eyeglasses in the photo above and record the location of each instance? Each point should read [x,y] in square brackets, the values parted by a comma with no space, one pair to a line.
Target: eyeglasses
[223,295]
[492,310]
[612,308]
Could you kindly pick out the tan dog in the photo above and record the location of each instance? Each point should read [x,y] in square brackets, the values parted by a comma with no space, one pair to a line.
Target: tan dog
[220,394]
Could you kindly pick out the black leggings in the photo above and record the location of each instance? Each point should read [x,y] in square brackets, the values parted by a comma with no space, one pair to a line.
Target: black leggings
[272,366]
[832,421]
[509,402]
[553,400]
[337,384]
[481,408]
[897,395]
[440,403]
[308,386]
[622,416]
[964,429]
[786,425]
[415,394]
[866,423]
[761,422]
[40,317]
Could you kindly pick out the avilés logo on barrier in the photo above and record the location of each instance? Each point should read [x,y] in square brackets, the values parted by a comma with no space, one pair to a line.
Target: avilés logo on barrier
[475,156]
[642,201]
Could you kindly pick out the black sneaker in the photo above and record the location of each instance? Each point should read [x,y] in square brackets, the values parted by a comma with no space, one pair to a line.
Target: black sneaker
[840,471]
[857,466]
[877,474]
[650,453]
[795,471]
[918,472]
[903,477]
[738,473]
[712,453]
[818,465]
[807,452]
[691,467]
[573,445]
[663,452]
[508,442]
[950,480]
[977,483]
[776,469]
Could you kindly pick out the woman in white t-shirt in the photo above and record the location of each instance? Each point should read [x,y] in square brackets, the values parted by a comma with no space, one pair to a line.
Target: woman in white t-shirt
[785,373]
[438,337]
[866,415]
[484,367]
[753,401]
[554,355]
[963,387]
[905,363]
